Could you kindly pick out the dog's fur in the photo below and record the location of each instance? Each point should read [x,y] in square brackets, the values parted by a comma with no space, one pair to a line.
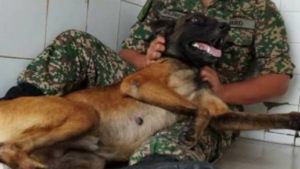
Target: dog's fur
[87,127]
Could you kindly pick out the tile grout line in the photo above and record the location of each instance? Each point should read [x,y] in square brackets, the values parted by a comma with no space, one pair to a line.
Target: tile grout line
[15,57]
[280,5]
[46,26]
[131,3]
[87,15]
[119,26]
[289,11]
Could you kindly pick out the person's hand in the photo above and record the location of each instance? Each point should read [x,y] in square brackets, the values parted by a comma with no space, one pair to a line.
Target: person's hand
[210,75]
[155,50]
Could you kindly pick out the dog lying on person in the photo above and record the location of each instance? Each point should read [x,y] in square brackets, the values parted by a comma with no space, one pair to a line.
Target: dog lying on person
[95,124]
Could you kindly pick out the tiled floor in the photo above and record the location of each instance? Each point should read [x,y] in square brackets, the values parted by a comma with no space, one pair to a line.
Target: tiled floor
[248,154]
[3,166]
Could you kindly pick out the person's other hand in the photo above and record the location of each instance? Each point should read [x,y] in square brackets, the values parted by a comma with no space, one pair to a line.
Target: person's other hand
[155,50]
[210,75]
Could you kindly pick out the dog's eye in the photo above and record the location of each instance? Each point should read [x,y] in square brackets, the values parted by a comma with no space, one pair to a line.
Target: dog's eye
[195,20]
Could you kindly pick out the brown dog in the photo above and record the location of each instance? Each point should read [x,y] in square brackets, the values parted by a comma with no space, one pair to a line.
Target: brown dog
[88,127]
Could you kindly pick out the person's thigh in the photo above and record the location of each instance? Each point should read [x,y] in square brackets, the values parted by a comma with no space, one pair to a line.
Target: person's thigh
[209,147]
[75,60]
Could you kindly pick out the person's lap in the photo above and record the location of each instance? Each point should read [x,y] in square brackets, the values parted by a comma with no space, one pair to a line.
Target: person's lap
[208,148]
[76,59]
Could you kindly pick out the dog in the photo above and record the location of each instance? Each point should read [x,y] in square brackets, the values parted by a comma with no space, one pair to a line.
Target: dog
[89,127]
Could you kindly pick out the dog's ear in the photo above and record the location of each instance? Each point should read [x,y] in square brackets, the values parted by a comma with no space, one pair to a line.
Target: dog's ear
[162,26]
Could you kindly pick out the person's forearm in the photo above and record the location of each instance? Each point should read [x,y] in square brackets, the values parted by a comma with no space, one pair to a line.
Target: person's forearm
[255,90]
[133,57]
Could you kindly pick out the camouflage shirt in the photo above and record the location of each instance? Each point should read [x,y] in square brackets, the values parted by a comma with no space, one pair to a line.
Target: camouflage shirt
[258,36]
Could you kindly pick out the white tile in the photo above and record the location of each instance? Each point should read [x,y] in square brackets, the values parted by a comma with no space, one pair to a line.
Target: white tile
[103,20]
[297,143]
[277,2]
[138,2]
[285,157]
[292,23]
[10,68]
[293,93]
[128,17]
[256,135]
[295,55]
[64,15]
[245,152]
[290,5]
[279,138]
[284,109]
[278,157]
[22,25]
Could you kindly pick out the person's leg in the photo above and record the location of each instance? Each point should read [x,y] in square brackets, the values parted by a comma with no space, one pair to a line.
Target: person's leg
[166,142]
[74,60]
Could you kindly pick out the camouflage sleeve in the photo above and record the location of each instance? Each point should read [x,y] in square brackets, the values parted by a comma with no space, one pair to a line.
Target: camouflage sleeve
[271,44]
[141,34]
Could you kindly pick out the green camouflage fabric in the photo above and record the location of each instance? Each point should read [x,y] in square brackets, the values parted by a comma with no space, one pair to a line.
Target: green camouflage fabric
[209,147]
[257,43]
[75,60]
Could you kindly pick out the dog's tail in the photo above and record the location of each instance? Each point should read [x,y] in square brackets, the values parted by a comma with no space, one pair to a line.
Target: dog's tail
[237,121]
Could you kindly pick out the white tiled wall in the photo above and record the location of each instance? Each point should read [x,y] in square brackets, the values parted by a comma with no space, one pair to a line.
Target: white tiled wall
[27,26]
[103,19]
[10,69]
[22,25]
[63,15]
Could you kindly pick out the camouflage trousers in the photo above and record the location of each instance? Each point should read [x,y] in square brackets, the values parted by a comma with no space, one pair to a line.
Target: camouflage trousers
[78,60]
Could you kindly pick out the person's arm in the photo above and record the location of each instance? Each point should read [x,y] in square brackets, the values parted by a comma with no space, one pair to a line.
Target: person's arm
[141,48]
[256,90]
[134,57]
[273,63]
[251,91]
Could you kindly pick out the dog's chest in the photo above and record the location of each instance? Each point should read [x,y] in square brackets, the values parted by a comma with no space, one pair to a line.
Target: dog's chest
[183,82]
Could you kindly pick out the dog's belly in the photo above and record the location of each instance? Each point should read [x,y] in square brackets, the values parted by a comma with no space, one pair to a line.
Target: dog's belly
[121,135]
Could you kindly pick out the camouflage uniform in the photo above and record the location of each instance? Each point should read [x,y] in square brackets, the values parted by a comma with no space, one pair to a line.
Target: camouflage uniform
[76,59]
[258,37]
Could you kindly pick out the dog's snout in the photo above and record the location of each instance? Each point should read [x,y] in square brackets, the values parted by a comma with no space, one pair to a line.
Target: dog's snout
[224,26]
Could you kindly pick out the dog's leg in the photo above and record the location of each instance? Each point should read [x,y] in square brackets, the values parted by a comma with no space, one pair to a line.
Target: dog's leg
[250,121]
[158,94]
[212,103]
[14,150]
[223,119]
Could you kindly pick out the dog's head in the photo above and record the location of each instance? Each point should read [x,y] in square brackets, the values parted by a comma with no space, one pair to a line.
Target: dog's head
[194,39]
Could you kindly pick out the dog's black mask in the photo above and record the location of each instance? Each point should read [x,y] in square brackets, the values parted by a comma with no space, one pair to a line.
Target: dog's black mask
[194,39]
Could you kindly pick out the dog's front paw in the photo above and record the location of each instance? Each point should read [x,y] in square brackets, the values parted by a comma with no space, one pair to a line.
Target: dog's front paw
[188,135]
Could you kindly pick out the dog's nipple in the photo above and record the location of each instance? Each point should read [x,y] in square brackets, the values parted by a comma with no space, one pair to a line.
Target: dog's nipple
[139,120]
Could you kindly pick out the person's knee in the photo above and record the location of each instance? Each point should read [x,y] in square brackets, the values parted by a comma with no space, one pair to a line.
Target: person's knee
[73,32]
[70,34]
